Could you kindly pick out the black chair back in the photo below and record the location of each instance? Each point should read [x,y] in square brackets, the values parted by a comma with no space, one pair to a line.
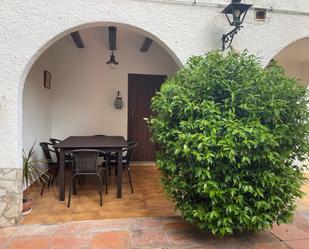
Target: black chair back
[127,154]
[130,151]
[47,150]
[125,151]
[55,141]
[53,167]
[86,161]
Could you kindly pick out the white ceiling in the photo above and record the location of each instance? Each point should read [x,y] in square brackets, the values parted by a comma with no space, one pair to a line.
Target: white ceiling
[297,52]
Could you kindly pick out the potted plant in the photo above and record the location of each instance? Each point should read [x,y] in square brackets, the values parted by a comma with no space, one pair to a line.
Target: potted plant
[31,174]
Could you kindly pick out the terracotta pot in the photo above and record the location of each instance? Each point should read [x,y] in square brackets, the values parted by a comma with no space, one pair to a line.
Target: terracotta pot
[27,205]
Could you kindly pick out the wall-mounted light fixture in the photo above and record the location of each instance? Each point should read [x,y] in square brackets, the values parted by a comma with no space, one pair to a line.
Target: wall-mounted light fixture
[118,103]
[235,13]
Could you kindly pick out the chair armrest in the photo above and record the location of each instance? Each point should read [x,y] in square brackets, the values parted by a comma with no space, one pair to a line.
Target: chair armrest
[51,150]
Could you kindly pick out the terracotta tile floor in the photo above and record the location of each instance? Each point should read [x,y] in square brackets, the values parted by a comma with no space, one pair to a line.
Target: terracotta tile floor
[164,232]
[148,200]
[160,232]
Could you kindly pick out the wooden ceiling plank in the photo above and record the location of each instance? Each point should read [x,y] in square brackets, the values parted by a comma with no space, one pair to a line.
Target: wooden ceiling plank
[146,44]
[77,39]
[112,35]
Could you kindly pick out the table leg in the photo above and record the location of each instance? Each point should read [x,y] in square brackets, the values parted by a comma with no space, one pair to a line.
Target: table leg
[74,185]
[119,175]
[62,179]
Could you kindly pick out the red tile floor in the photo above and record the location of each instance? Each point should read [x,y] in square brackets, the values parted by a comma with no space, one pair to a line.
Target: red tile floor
[168,232]
[161,232]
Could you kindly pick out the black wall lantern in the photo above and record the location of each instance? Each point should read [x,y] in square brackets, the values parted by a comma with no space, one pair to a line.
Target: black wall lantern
[235,13]
[112,61]
[118,103]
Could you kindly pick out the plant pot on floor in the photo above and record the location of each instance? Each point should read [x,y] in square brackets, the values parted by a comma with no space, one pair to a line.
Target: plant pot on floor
[31,173]
[27,205]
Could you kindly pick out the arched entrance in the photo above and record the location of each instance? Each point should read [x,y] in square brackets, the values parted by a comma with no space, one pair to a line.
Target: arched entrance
[70,90]
[294,58]
[12,153]
[92,26]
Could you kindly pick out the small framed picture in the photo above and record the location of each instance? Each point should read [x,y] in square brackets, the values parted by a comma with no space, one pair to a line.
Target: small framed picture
[47,79]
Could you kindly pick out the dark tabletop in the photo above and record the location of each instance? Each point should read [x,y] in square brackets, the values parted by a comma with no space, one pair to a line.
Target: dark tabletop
[93,142]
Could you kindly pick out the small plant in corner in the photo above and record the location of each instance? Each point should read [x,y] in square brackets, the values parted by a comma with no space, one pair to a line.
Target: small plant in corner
[230,133]
[31,174]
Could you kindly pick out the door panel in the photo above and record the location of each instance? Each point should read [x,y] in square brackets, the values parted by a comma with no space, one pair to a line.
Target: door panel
[141,88]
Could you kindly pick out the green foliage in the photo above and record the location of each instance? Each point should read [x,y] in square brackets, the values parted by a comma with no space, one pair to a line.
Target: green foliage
[31,172]
[230,133]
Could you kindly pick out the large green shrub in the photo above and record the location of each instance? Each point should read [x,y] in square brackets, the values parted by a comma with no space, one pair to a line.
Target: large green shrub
[230,133]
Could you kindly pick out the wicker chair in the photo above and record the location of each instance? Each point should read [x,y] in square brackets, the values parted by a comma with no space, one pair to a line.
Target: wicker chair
[55,141]
[67,157]
[86,163]
[126,160]
[52,166]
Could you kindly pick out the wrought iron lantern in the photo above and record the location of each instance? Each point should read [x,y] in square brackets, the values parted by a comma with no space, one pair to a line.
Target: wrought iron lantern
[118,103]
[112,61]
[235,13]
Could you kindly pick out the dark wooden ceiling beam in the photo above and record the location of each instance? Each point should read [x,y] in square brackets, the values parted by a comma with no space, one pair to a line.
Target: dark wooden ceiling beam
[112,35]
[146,44]
[77,39]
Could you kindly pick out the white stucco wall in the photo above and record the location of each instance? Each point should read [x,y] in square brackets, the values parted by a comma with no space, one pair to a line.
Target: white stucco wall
[299,71]
[305,73]
[293,70]
[37,105]
[84,91]
[80,101]
[295,60]
[28,27]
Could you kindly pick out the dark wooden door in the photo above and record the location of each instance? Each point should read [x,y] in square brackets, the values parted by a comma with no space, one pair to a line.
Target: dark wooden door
[141,88]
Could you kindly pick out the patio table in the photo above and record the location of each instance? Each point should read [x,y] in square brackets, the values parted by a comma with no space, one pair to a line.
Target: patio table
[104,143]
